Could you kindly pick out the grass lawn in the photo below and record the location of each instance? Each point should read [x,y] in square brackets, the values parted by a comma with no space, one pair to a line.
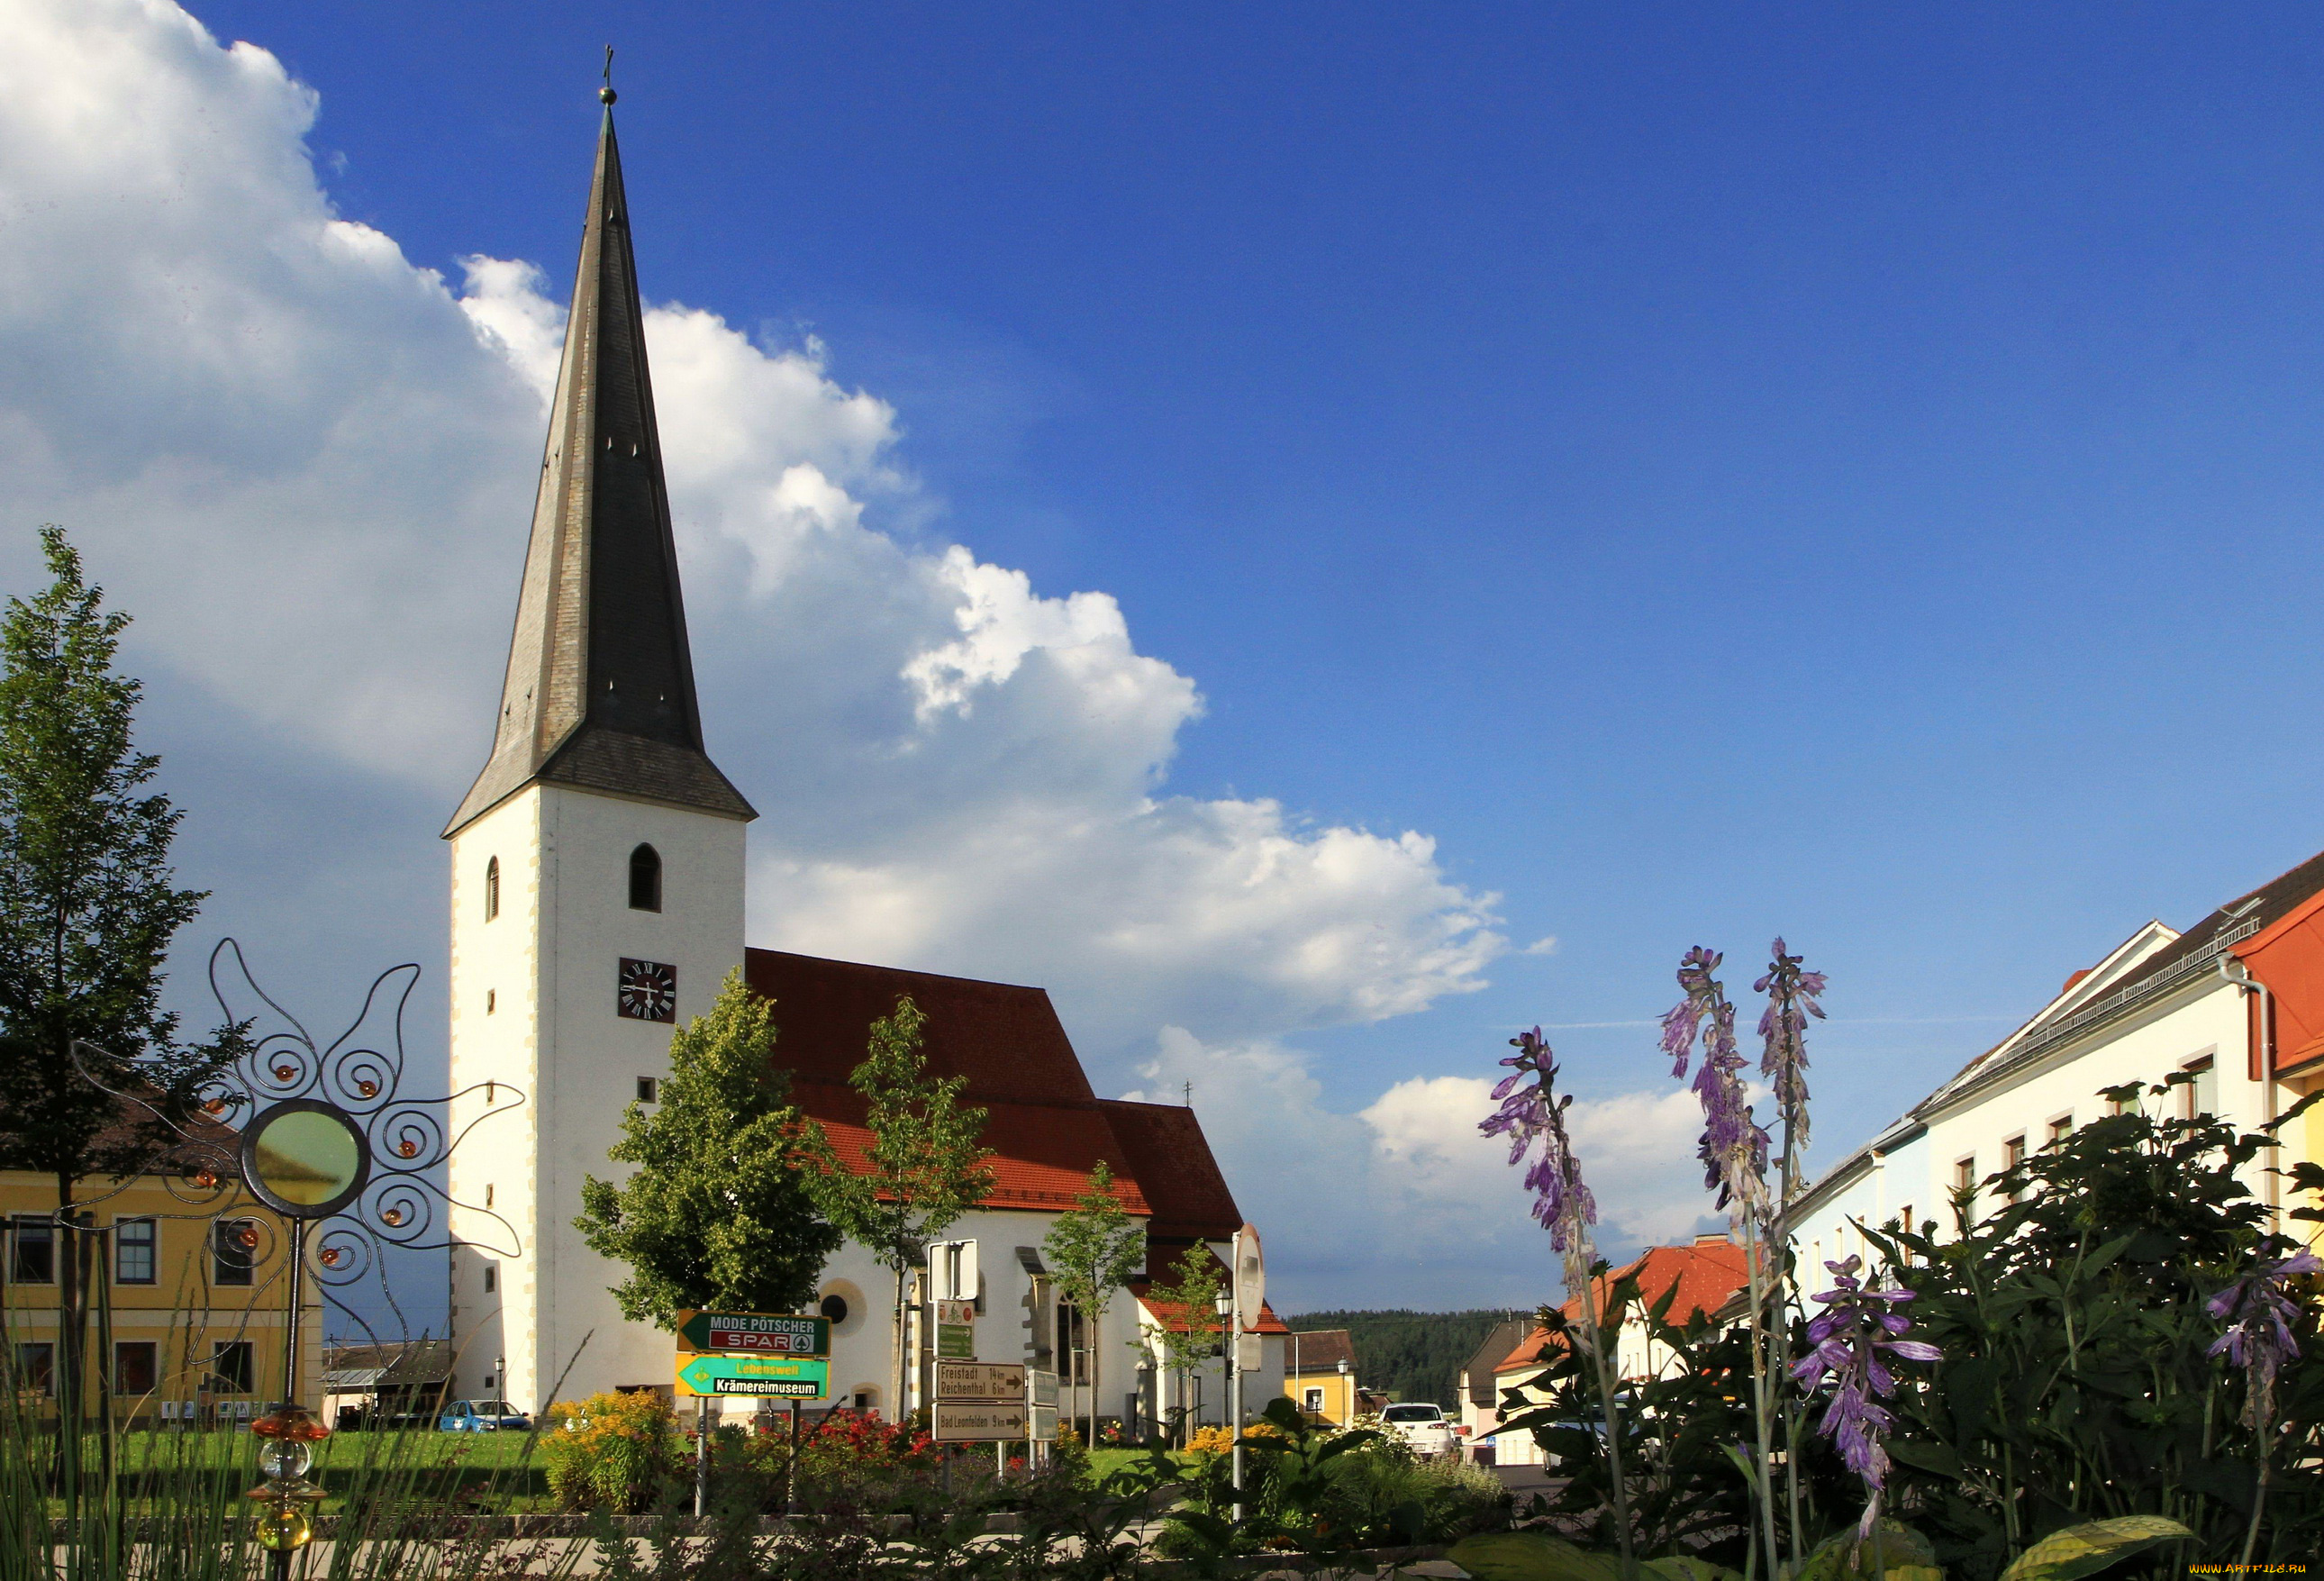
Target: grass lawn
[492,1468]
[1104,1462]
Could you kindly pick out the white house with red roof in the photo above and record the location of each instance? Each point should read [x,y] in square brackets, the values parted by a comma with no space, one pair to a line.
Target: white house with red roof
[2228,1015]
[597,901]
[1706,1273]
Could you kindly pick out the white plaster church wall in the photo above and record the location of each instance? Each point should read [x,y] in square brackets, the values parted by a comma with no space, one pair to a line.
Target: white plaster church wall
[551,961]
[494,986]
[1006,1330]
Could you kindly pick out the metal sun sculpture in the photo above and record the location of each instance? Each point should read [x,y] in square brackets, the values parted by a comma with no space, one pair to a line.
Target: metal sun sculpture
[322,1136]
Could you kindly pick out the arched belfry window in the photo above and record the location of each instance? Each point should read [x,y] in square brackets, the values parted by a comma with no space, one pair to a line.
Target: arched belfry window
[492,889]
[645,879]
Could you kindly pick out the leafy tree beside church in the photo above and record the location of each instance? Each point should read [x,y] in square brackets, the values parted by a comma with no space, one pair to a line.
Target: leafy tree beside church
[718,1213]
[1096,1248]
[88,905]
[924,1167]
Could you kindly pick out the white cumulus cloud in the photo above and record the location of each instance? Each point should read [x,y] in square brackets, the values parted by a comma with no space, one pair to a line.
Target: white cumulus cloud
[1406,1191]
[307,464]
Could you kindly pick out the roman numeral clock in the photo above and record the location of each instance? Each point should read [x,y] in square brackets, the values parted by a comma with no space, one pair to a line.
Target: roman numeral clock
[649,991]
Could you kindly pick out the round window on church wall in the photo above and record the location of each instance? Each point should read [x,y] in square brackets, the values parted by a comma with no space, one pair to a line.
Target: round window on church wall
[835,1308]
[305,1158]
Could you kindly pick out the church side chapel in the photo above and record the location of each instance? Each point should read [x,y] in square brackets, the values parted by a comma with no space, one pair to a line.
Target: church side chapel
[597,901]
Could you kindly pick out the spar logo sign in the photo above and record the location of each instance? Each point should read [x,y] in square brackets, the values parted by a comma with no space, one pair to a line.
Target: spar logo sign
[754,1333]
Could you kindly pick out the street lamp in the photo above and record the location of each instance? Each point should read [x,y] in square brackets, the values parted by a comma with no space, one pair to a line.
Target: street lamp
[1224,1307]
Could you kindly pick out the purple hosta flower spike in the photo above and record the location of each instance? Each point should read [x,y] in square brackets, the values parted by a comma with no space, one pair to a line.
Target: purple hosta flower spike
[1684,1020]
[1791,996]
[1854,1338]
[1531,1111]
[1734,1150]
[2259,1311]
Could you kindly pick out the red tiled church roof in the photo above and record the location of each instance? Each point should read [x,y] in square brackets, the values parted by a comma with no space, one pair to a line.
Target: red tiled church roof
[1172,1315]
[1042,1153]
[1706,1273]
[1006,1040]
[1171,1159]
[1046,1128]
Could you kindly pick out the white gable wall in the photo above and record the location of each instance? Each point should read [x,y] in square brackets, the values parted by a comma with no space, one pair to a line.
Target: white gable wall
[2205,1018]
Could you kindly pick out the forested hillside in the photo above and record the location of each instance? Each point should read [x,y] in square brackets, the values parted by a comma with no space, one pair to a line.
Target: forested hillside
[1409,1356]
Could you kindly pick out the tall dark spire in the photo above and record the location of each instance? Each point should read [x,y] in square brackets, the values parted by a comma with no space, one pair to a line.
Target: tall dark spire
[600,688]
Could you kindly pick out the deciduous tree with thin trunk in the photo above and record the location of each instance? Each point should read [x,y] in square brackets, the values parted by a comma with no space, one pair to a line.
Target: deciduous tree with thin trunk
[1096,1249]
[924,1164]
[88,909]
[1192,1291]
[718,1213]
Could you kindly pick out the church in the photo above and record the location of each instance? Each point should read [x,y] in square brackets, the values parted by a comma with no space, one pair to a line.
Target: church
[597,901]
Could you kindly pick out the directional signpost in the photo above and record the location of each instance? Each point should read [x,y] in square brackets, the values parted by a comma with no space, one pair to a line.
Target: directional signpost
[779,1334]
[978,1402]
[978,1421]
[782,1377]
[784,1355]
[980,1381]
[956,1329]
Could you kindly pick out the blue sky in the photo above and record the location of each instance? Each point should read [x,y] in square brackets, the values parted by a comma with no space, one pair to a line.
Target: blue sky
[1714,470]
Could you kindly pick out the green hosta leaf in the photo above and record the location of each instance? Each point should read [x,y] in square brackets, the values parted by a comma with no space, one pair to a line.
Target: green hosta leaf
[1530,1556]
[1845,1559]
[1942,1459]
[1687,1568]
[1915,1573]
[2089,1548]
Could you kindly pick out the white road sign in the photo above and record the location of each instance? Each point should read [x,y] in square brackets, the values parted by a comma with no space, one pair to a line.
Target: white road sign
[976,1420]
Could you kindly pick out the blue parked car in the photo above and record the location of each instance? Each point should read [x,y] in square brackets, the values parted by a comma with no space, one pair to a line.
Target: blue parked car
[483,1416]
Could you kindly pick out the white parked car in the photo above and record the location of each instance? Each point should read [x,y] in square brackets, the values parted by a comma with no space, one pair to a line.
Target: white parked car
[1422,1426]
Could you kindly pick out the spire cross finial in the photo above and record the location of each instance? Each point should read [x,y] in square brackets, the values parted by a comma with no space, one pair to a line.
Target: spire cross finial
[605,95]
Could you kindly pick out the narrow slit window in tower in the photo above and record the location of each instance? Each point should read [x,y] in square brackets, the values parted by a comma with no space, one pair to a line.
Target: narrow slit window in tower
[645,879]
[492,889]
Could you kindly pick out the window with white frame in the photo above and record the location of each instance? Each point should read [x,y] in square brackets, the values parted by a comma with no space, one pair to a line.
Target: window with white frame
[32,1249]
[234,1245]
[135,1242]
[1964,1182]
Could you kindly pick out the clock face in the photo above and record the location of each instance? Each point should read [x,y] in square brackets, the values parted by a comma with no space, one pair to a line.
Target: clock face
[649,991]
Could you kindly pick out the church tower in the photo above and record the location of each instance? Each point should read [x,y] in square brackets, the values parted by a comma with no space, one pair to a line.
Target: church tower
[597,862]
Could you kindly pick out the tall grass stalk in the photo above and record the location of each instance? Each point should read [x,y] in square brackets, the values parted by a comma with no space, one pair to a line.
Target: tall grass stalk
[160,1505]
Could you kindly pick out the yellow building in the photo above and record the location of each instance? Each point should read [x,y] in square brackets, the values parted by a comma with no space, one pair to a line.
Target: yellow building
[1319,1375]
[185,1300]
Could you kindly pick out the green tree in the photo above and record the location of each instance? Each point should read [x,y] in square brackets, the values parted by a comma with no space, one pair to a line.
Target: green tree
[1096,1249]
[718,1213]
[924,1167]
[88,909]
[1192,1293]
